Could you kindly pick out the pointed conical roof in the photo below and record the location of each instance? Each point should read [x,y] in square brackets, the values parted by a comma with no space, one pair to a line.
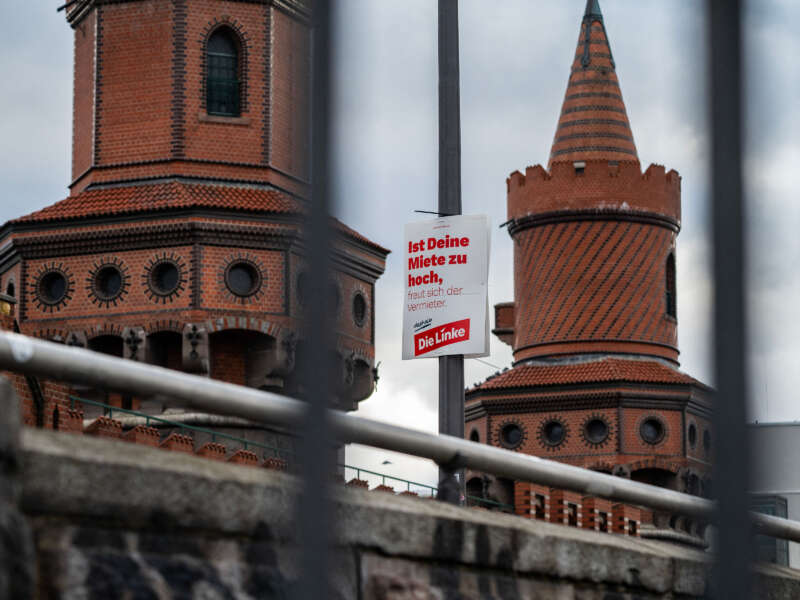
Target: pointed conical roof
[593,123]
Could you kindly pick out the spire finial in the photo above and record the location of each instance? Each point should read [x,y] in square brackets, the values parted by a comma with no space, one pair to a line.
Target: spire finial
[594,123]
[593,9]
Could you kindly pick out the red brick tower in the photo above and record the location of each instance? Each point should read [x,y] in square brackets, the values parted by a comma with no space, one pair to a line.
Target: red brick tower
[593,325]
[180,243]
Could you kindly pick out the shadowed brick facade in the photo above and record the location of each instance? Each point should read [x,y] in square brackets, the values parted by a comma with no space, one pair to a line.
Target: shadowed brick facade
[181,241]
[593,325]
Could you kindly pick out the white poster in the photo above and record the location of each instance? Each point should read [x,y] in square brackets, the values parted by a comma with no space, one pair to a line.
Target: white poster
[446,304]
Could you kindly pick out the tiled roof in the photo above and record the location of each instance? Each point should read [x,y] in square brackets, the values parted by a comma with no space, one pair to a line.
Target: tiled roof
[350,232]
[163,196]
[127,200]
[598,371]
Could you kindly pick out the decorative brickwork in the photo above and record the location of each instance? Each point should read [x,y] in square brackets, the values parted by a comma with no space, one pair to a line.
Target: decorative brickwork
[182,229]
[593,325]
[140,434]
[104,427]
[178,443]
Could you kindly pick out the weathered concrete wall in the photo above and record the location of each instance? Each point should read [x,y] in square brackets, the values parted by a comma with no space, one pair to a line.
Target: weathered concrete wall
[16,548]
[117,520]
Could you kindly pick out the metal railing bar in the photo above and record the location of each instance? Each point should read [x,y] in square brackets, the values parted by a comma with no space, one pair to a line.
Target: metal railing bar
[65,363]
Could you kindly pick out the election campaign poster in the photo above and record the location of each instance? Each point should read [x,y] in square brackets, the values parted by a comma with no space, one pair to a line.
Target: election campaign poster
[446,303]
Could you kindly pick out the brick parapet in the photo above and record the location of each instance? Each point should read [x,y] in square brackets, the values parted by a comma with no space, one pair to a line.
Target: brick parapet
[177,442]
[212,450]
[141,434]
[104,427]
[598,514]
[614,189]
[566,508]
[244,457]
[627,520]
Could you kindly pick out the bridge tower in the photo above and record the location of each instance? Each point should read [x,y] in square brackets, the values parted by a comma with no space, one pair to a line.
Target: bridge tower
[181,243]
[594,322]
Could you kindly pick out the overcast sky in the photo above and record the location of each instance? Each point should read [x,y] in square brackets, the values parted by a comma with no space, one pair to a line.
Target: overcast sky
[515,60]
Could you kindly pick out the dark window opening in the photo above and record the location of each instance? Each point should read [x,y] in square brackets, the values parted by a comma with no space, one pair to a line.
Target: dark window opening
[10,289]
[359,309]
[511,435]
[222,76]
[55,419]
[652,430]
[539,507]
[596,431]
[243,278]
[164,278]
[632,529]
[692,435]
[602,522]
[52,287]
[572,515]
[554,433]
[474,436]
[672,309]
[108,282]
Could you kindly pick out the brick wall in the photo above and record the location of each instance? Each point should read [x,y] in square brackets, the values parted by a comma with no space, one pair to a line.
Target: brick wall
[290,92]
[134,83]
[83,96]
[140,94]
[592,286]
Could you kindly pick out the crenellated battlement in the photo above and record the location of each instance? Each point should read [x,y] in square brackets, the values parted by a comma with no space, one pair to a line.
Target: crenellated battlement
[595,186]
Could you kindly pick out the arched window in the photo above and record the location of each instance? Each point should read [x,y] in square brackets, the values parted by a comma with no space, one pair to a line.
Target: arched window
[222,75]
[10,289]
[671,300]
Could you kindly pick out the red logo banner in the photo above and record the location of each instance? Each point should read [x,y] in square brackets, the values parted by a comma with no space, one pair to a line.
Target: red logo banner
[443,335]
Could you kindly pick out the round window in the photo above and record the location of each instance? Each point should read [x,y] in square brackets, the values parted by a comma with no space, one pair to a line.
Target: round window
[108,282]
[359,309]
[596,431]
[692,435]
[554,432]
[707,441]
[243,278]
[511,435]
[52,287]
[164,278]
[652,430]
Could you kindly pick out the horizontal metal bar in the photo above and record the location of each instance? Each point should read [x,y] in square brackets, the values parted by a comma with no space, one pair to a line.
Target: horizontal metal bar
[64,363]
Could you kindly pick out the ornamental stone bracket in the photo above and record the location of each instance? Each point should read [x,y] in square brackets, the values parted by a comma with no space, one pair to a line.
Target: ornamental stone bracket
[194,349]
[76,339]
[358,380]
[134,340]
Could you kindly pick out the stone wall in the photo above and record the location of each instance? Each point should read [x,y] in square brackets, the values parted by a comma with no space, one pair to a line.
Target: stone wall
[106,519]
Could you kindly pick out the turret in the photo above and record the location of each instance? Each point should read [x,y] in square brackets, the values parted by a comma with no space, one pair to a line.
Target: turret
[594,237]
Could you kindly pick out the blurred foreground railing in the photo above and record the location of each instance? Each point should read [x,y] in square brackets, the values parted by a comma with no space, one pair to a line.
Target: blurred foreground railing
[63,363]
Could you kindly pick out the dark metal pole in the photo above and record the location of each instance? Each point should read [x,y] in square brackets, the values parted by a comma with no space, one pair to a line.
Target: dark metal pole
[451,368]
[313,517]
[732,578]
